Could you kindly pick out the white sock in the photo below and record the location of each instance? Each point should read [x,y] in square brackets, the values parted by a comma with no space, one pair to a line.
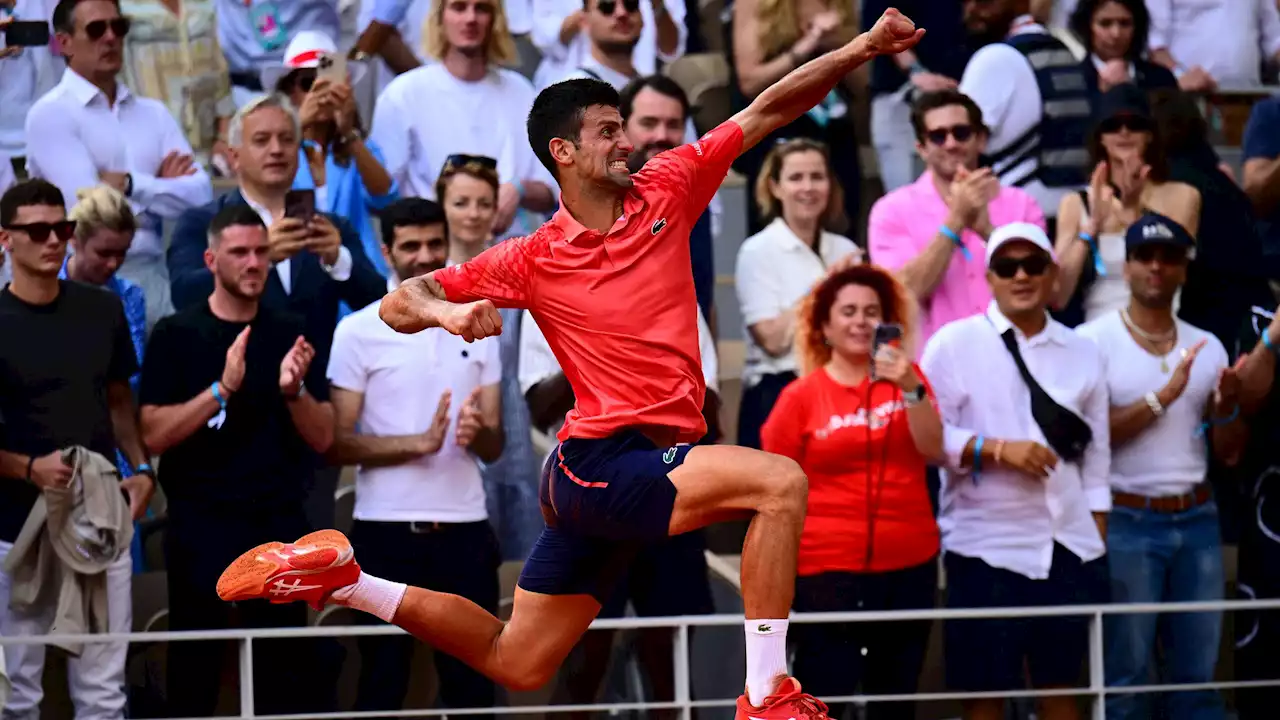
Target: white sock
[766,657]
[372,595]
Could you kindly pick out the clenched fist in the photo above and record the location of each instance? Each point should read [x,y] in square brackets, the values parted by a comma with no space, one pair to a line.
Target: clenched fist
[473,321]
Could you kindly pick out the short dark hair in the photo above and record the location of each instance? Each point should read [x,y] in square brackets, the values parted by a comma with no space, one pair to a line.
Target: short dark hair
[233,215]
[660,84]
[410,212]
[64,18]
[557,113]
[930,101]
[1081,23]
[27,193]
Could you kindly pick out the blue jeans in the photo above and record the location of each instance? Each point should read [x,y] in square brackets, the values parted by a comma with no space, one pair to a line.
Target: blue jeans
[1164,557]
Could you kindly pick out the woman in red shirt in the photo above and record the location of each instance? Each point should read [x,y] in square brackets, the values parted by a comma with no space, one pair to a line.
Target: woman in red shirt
[863,429]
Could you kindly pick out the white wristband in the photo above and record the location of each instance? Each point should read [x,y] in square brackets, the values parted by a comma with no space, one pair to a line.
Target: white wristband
[1153,402]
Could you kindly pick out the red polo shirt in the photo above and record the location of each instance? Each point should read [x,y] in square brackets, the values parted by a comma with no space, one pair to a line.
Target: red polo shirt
[618,308]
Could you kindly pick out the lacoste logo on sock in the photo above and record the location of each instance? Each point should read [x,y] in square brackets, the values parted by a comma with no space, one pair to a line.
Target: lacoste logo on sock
[764,628]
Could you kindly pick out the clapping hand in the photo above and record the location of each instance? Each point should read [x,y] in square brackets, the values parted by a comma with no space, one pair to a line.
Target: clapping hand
[294,367]
[1181,375]
[1226,395]
[470,420]
[432,440]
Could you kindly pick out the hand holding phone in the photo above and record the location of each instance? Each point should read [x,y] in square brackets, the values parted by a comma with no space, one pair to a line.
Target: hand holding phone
[887,336]
[300,205]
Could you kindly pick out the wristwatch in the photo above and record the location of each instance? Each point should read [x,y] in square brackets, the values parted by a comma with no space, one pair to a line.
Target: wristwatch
[145,469]
[914,397]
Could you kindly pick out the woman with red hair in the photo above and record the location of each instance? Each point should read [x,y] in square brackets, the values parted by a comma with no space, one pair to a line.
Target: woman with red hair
[863,428]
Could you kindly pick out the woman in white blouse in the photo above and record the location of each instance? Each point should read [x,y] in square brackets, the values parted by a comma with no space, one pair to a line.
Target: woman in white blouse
[800,197]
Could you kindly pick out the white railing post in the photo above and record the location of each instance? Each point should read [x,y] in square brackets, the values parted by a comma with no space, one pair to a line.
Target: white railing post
[246,677]
[1097,667]
[683,682]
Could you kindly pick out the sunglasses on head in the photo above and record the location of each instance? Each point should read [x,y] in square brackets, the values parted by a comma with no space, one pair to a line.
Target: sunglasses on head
[1006,267]
[606,7]
[97,28]
[1167,254]
[1132,123]
[39,232]
[938,136]
[456,161]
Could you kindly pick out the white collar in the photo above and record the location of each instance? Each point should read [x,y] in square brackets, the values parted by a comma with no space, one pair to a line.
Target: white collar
[85,92]
[1053,332]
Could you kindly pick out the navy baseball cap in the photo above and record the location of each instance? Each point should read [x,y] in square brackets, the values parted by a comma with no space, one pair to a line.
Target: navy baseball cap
[1154,228]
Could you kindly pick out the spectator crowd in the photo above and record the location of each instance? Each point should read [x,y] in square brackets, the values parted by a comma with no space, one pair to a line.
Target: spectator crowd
[1035,359]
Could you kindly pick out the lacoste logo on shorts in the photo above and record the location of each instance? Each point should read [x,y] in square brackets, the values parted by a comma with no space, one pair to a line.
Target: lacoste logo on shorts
[669,456]
[658,225]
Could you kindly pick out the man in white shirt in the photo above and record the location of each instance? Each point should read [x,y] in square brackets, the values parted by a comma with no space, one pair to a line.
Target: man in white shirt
[465,103]
[558,32]
[1172,395]
[91,129]
[1022,515]
[416,414]
[1186,37]
[612,28]
[1034,98]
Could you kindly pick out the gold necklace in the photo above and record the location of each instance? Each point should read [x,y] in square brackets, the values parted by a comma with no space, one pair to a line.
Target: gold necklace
[1155,340]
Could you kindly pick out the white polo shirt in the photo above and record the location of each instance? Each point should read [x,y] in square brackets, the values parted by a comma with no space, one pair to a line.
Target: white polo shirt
[402,378]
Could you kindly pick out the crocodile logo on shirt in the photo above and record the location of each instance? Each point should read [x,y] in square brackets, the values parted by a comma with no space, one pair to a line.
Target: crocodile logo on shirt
[669,456]
[658,225]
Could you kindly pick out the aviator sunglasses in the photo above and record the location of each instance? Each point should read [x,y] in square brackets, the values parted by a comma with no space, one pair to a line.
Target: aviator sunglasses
[39,232]
[97,28]
[606,7]
[938,136]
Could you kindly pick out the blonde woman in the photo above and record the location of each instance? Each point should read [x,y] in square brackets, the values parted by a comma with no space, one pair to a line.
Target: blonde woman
[770,38]
[468,102]
[799,197]
[861,422]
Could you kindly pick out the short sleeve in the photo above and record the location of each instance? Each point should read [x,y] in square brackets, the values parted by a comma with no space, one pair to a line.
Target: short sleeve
[783,431]
[500,274]
[491,362]
[1262,134]
[124,358]
[347,369]
[758,284]
[695,171]
[160,384]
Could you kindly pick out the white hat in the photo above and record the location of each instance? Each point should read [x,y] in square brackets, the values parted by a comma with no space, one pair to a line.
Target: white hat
[1019,231]
[305,51]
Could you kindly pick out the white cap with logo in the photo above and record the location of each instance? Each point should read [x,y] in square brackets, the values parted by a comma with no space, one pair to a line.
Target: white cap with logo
[1024,231]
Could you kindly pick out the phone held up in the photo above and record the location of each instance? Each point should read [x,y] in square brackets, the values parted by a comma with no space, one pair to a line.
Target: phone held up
[300,204]
[332,67]
[886,334]
[26,33]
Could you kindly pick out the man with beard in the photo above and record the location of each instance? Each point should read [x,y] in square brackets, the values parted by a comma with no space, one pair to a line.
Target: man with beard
[428,409]
[934,231]
[1173,399]
[225,405]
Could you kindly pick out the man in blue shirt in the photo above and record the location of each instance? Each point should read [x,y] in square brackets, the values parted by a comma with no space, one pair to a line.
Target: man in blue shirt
[1261,151]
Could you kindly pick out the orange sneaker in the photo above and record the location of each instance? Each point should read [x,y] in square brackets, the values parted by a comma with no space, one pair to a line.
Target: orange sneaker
[309,569]
[787,702]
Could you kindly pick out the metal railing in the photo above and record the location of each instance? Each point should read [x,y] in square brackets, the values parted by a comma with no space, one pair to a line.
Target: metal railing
[1096,690]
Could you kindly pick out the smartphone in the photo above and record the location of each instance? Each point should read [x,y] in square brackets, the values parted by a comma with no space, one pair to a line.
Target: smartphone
[26,33]
[332,67]
[300,204]
[886,333]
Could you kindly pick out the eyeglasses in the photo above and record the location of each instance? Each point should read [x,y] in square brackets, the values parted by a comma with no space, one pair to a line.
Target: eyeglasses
[39,232]
[1132,123]
[97,28]
[1006,267]
[453,162]
[1167,254]
[938,136]
[607,7]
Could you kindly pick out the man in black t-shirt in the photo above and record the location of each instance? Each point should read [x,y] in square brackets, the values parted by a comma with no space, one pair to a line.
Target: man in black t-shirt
[65,362]
[238,411]
[1258,633]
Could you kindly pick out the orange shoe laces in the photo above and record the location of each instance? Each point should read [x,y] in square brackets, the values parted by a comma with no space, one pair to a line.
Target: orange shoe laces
[809,706]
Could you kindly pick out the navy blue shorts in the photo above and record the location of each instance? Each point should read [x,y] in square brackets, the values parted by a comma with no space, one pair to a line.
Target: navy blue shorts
[603,501]
[1004,654]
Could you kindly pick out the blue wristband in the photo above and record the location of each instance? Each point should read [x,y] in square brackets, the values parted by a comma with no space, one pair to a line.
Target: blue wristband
[144,469]
[1212,422]
[977,459]
[1265,336]
[1092,242]
[953,237]
[216,387]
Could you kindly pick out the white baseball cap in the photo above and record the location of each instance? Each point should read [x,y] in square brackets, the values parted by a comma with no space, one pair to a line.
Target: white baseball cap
[1025,231]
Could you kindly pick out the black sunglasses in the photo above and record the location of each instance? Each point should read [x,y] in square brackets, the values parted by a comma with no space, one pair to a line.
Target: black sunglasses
[453,162]
[1132,123]
[1167,254]
[39,232]
[1006,267]
[938,136]
[97,28]
[606,7]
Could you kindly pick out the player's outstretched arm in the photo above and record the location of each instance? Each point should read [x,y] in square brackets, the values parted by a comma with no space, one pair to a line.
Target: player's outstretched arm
[806,86]
[419,303]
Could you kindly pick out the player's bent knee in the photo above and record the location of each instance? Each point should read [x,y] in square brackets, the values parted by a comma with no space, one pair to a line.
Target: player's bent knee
[786,486]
